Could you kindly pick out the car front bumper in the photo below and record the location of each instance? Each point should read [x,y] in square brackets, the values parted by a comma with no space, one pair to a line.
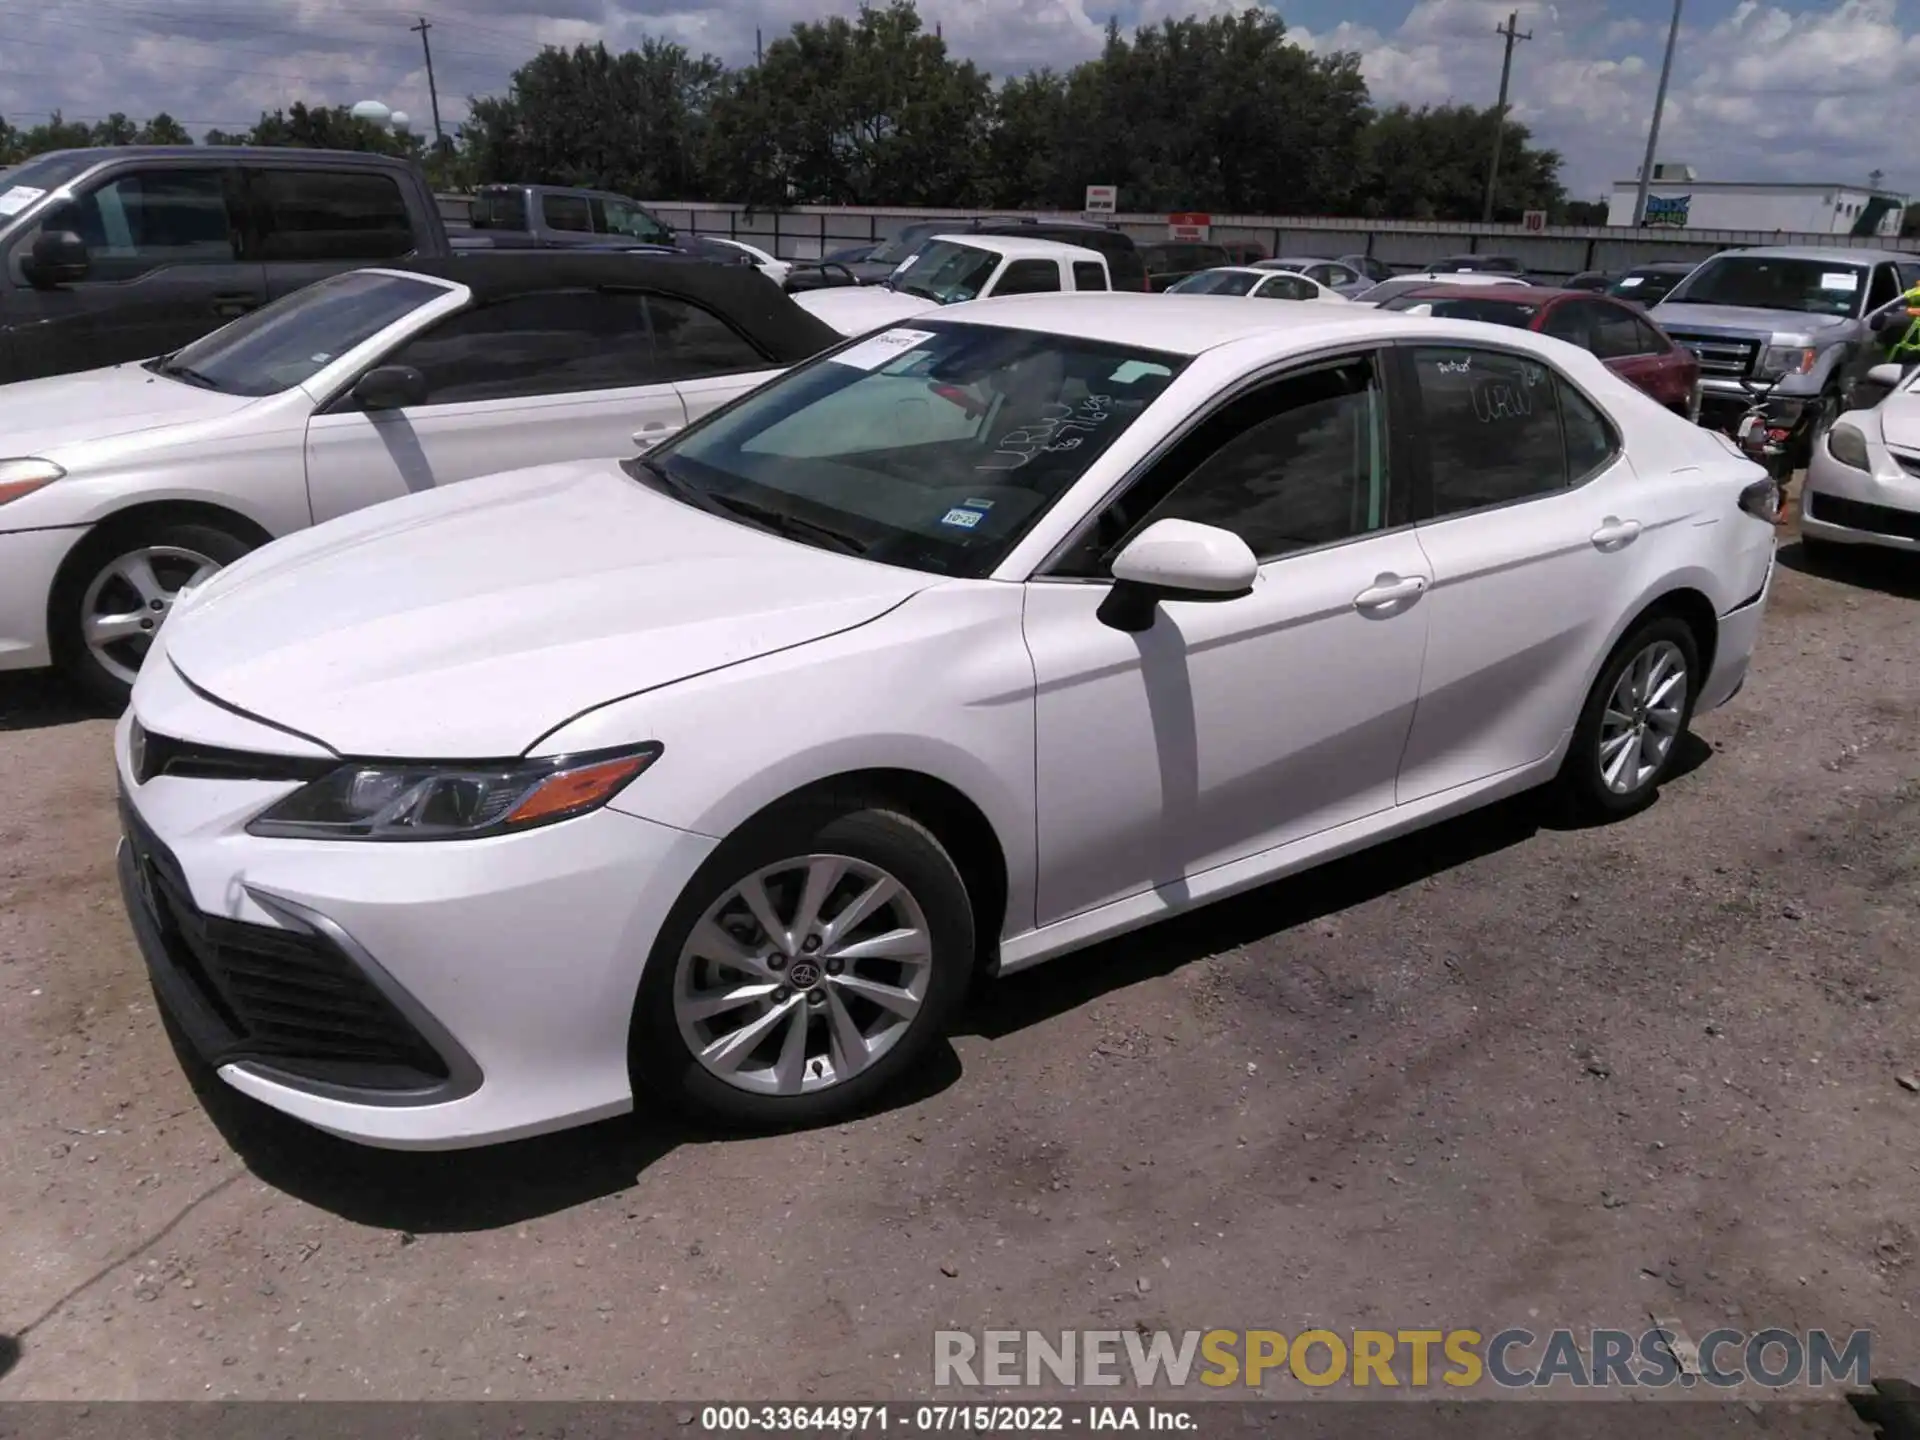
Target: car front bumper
[1853,507]
[29,561]
[406,995]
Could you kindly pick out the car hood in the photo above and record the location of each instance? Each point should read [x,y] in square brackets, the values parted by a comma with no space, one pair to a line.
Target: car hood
[1740,320]
[468,622]
[1900,420]
[46,417]
[854,310]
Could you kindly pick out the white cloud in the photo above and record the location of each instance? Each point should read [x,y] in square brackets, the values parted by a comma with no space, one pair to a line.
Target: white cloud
[1763,92]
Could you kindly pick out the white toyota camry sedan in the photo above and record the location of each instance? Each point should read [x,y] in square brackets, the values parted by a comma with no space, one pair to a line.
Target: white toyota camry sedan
[714,776]
[1863,478]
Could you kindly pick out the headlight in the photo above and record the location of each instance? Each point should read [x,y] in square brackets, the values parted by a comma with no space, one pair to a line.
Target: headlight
[1788,360]
[1848,445]
[23,477]
[372,800]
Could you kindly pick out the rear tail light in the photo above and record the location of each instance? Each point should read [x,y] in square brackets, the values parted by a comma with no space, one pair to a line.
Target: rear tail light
[1763,500]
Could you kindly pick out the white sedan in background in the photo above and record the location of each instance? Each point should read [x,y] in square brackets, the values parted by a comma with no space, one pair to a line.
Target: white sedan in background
[1401,284]
[767,264]
[1257,282]
[120,486]
[1863,477]
[715,775]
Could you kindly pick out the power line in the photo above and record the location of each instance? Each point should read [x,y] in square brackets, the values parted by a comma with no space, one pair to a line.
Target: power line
[1510,33]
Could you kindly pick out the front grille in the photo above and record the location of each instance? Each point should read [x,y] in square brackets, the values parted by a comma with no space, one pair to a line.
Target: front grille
[155,754]
[1728,359]
[1908,463]
[289,999]
[1859,515]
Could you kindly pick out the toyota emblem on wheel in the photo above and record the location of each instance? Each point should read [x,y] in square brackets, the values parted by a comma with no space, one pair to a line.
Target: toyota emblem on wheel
[803,975]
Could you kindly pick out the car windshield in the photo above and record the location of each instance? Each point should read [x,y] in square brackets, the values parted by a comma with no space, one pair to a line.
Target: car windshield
[43,172]
[947,272]
[936,447]
[1484,308]
[903,245]
[1762,282]
[1215,282]
[1646,286]
[289,341]
[627,217]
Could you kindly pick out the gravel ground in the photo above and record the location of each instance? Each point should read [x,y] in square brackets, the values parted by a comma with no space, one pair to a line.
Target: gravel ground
[1498,1074]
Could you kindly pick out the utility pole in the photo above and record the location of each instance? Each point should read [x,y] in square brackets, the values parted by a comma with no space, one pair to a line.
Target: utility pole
[1653,130]
[1511,34]
[433,93]
[759,55]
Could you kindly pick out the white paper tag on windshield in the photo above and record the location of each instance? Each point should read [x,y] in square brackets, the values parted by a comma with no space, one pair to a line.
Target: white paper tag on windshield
[877,350]
[1840,280]
[1630,281]
[18,198]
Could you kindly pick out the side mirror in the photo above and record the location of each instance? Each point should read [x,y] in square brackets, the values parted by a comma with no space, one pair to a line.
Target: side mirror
[391,387]
[1888,375]
[1176,560]
[58,257]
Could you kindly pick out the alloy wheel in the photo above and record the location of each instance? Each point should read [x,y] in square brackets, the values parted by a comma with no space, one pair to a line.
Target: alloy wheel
[129,600]
[802,975]
[1642,719]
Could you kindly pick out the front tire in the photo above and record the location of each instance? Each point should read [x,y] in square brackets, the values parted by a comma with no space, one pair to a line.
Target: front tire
[1628,734]
[116,591]
[810,965]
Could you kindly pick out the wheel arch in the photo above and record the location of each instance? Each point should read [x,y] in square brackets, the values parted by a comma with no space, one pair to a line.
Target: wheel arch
[1691,607]
[955,819]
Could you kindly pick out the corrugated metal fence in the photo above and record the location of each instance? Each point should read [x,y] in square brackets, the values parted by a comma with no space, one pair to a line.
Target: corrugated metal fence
[810,231]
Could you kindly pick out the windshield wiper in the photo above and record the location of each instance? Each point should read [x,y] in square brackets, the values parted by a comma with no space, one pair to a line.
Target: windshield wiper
[165,366]
[651,472]
[791,526]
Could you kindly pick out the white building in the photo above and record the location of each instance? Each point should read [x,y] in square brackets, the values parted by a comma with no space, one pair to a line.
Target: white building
[1677,200]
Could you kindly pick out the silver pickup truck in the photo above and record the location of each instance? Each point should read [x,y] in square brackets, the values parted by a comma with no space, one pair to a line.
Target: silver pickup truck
[1800,318]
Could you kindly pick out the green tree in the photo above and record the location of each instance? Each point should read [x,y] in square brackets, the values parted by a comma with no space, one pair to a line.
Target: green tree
[116,129]
[322,127]
[632,122]
[163,129]
[868,112]
[1431,164]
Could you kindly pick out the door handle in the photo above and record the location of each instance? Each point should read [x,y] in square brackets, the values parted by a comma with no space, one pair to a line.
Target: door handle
[1390,590]
[654,431]
[237,303]
[1615,533]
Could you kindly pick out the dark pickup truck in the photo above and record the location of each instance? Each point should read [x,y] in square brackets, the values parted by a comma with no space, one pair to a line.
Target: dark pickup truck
[560,217]
[119,253]
[125,252]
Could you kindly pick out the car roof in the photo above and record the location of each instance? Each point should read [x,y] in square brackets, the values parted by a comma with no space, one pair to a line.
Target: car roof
[740,294]
[1173,324]
[1663,267]
[1516,294]
[1020,247]
[1824,254]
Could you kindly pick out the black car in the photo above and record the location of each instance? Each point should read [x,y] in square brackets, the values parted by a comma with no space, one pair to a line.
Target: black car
[1645,285]
[1595,280]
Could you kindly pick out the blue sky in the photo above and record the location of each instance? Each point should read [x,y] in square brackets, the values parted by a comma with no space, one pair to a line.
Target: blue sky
[1763,89]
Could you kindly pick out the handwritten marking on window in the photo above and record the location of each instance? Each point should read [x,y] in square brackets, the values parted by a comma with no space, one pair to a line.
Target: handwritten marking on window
[1060,429]
[1501,400]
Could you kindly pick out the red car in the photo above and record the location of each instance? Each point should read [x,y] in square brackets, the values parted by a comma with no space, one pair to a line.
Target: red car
[1633,347]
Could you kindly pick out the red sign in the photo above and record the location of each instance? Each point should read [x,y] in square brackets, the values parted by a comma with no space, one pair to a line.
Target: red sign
[1188,225]
[1534,219]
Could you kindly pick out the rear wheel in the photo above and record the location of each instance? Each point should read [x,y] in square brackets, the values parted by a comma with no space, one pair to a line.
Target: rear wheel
[116,591]
[816,958]
[1629,731]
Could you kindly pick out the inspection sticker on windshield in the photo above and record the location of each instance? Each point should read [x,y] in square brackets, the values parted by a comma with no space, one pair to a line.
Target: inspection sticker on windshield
[872,353]
[962,517]
[18,198]
[1840,280]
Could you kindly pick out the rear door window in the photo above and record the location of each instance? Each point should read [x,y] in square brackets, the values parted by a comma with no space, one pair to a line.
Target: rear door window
[691,342]
[1089,275]
[551,343]
[1029,277]
[331,215]
[571,213]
